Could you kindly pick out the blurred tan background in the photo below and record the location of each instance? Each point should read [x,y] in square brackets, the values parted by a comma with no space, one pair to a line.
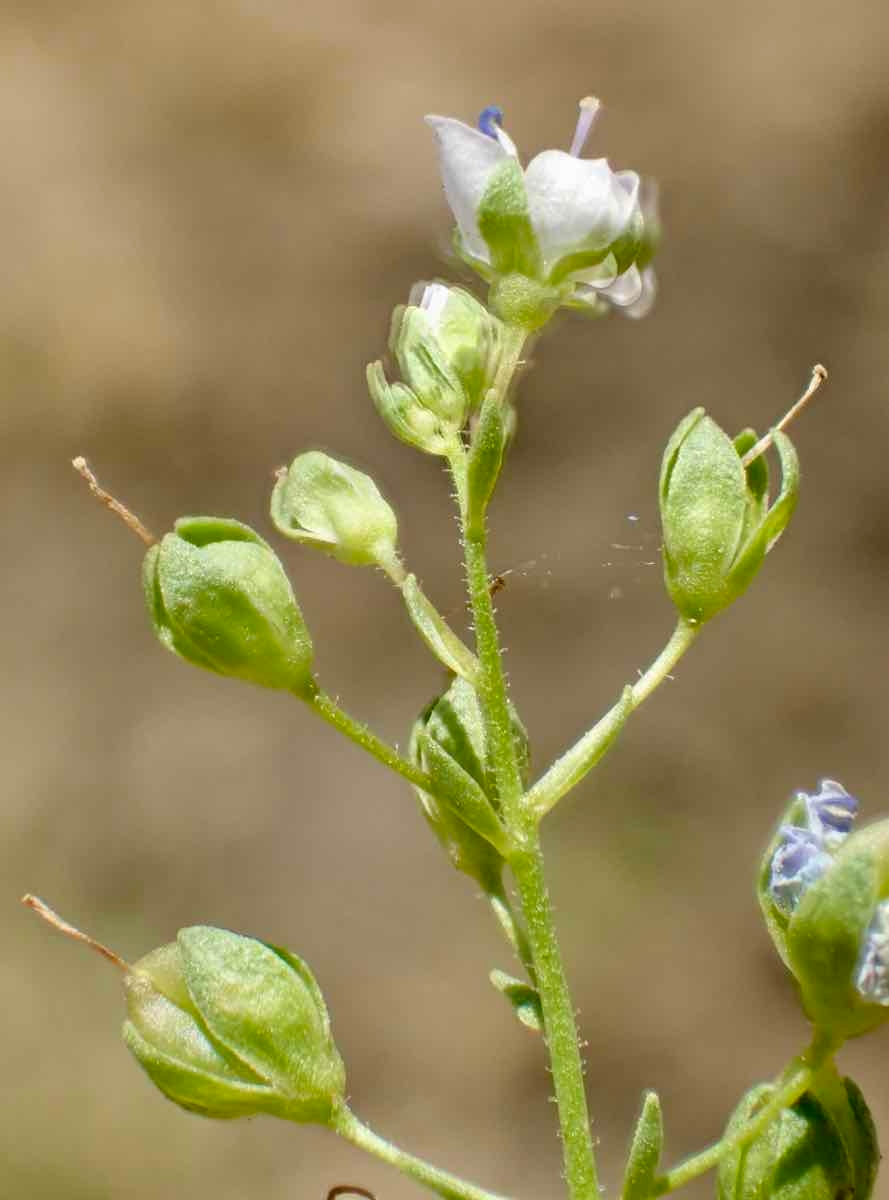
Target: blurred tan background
[207,213]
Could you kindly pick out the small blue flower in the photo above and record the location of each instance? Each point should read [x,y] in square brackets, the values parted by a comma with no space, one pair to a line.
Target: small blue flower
[831,811]
[798,861]
[872,976]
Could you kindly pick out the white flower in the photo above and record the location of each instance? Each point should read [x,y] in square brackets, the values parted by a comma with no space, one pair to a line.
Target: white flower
[564,220]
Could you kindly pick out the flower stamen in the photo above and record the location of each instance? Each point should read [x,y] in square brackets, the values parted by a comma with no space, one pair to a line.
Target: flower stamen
[490,122]
[589,107]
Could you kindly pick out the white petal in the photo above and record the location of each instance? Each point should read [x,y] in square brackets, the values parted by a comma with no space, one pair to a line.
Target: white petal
[577,203]
[642,307]
[626,289]
[602,275]
[468,159]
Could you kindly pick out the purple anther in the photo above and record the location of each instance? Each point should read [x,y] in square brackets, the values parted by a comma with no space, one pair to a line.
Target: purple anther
[490,119]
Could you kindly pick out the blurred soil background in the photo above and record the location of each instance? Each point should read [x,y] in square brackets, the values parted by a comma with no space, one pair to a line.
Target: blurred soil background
[207,213]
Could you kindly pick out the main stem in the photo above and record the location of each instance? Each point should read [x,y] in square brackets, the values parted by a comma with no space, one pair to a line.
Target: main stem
[527,861]
[559,1023]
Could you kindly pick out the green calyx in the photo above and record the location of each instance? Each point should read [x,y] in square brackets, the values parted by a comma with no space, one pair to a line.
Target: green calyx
[219,598]
[448,742]
[326,504]
[717,522]
[228,1026]
[822,1148]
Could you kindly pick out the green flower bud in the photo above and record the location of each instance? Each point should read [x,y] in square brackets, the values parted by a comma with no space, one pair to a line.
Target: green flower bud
[718,526]
[326,504]
[467,335]
[447,346]
[219,598]
[448,741]
[822,1148]
[824,893]
[227,1026]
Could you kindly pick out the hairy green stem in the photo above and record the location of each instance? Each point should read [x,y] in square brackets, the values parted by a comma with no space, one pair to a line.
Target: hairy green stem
[559,1024]
[443,1183]
[526,862]
[325,706]
[792,1084]
[568,770]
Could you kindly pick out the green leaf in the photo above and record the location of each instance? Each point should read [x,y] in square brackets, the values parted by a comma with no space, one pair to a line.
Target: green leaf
[436,633]
[524,999]
[485,459]
[645,1151]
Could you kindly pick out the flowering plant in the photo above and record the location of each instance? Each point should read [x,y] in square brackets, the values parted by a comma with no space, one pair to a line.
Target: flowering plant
[226,1025]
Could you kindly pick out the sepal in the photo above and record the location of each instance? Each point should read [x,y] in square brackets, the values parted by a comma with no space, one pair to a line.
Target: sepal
[822,1148]
[448,742]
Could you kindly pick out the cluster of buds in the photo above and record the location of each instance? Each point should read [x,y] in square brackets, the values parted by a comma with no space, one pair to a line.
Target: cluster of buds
[447,347]
[566,230]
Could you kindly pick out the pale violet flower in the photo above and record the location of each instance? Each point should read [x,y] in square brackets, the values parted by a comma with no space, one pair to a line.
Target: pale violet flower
[565,221]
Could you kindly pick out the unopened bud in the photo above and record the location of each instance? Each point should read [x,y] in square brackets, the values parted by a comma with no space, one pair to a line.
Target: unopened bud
[327,504]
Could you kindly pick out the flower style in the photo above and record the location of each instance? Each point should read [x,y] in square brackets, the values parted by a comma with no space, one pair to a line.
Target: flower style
[565,221]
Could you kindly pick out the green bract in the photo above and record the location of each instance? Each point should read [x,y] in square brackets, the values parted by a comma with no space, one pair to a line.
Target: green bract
[227,1026]
[219,598]
[823,1148]
[329,505]
[717,523]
